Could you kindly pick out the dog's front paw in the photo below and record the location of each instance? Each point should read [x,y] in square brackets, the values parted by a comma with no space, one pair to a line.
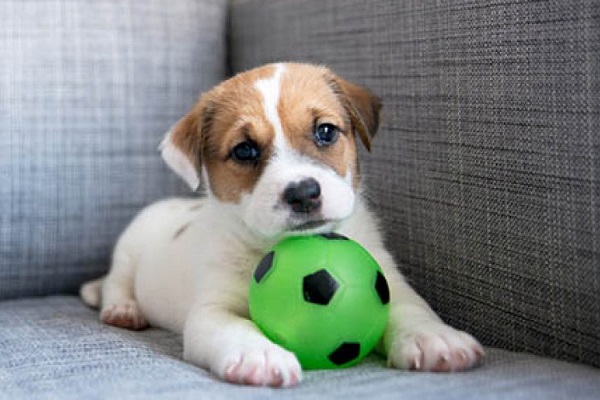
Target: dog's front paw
[434,346]
[268,365]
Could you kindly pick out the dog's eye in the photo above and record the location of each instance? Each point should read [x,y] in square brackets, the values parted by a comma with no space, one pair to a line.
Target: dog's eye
[326,134]
[246,152]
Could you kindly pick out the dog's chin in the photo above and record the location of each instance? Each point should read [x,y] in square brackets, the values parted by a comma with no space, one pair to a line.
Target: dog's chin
[310,227]
[298,228]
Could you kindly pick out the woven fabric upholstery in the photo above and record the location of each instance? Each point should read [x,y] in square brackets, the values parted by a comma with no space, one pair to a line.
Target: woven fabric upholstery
[55,348]
[87,90]
[486,169]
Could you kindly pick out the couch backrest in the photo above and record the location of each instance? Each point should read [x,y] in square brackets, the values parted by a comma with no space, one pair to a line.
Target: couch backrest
[87,89]
[486,171]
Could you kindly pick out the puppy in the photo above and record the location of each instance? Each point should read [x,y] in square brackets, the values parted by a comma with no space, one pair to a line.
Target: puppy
[276,148]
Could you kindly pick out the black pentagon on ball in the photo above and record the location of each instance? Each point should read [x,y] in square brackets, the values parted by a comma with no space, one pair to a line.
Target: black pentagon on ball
[319,287]
[333,236]
[345,353]
[264,266]
[382,288]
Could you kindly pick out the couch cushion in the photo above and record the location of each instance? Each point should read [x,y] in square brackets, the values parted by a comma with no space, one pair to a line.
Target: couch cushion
[486,169]
[88,90]
[55,348]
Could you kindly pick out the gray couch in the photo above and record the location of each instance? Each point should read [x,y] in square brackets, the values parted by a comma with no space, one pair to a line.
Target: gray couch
[485,173]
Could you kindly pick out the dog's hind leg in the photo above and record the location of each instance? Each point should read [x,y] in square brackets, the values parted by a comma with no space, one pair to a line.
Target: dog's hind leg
[119,306]
[91,292]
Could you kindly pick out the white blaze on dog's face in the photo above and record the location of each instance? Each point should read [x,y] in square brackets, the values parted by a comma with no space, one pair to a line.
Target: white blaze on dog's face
[278,144]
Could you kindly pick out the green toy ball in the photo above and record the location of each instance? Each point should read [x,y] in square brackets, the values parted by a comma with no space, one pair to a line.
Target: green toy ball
[323,298]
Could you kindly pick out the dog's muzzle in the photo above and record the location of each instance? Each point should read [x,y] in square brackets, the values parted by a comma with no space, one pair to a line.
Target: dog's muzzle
[303,197]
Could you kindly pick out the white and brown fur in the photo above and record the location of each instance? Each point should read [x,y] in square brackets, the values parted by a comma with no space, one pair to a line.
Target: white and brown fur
[185,265]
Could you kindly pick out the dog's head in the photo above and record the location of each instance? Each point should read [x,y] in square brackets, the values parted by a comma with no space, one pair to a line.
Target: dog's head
[278,143]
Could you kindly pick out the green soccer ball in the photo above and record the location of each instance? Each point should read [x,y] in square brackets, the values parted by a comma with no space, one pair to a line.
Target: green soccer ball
[322,297]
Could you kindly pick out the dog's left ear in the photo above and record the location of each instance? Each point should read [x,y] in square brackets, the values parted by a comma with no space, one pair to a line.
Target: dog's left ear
[181,148]
[363,107]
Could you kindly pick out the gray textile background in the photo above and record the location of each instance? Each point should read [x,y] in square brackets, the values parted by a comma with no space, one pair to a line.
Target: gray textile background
[486,172]
[55,348]
[87,90]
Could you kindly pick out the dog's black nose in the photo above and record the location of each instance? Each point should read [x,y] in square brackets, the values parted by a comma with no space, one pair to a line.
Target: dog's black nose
[303,196]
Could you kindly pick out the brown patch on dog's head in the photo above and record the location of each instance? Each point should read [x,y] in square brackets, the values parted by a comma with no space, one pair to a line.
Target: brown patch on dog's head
[311,96]
[239,119]
[233,113]
[362,106]
[305,102]
[223,117]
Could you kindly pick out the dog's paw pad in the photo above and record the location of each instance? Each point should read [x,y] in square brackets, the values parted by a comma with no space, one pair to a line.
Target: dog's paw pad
[435,347]
[270,366]
[126,314]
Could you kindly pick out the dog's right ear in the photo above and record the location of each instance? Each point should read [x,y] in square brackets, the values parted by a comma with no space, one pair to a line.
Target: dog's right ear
[182,146]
